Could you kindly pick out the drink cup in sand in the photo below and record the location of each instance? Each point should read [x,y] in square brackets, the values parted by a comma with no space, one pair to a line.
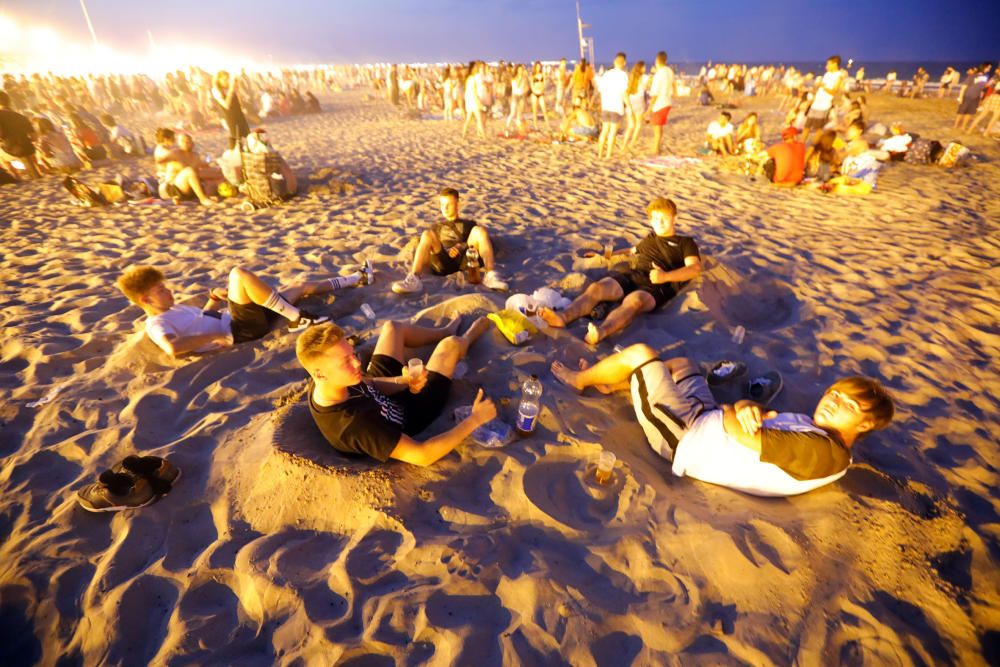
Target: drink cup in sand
[416,370]
[605,467]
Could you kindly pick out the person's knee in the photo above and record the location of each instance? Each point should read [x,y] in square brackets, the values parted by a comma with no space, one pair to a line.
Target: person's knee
[238,275]
[450,345]
[391,329]
[638,354]
[682,366]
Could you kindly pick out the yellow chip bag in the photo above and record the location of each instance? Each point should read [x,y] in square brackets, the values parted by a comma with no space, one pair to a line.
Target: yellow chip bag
[514,326]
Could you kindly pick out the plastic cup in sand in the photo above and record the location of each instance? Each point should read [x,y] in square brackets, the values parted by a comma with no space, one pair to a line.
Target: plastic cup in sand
[605,467]
[416,368]
[738,334]
[368,312]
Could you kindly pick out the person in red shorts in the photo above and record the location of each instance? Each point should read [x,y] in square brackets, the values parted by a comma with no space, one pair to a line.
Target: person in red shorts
[661,94]
[787,162]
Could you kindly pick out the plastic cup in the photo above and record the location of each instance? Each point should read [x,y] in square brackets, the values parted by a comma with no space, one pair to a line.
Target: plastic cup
[605,467]
[416,368]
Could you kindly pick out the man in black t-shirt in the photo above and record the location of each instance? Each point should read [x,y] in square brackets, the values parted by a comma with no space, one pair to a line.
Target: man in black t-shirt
[378,415]
[664,263]
[442,249]
[17,136]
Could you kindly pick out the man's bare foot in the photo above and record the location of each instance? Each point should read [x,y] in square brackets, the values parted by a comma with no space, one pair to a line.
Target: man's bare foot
[476,329]
[593,336]
[566,376]
[552,318]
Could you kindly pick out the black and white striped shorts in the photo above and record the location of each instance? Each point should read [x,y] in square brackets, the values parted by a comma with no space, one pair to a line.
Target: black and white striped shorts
[665,408]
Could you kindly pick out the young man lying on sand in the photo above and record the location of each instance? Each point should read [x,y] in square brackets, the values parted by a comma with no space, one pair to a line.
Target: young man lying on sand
[442,248]
[378,415]
[742,446]
[252,306]
[665,262]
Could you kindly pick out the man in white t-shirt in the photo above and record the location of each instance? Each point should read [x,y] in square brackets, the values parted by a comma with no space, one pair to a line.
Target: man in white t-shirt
[719,135]
[828,89]
[662,94]
[613,87]
[252,307]
[743,446]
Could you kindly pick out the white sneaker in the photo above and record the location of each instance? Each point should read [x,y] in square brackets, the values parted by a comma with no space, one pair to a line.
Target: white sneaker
[408,285]
[492,280]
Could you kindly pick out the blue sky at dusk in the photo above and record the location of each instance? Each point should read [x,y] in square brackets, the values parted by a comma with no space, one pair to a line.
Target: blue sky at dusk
[456,30]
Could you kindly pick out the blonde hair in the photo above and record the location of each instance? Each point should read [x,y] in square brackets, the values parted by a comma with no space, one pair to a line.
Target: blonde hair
[138,280]
[316,340]
[873,399]
[662,205]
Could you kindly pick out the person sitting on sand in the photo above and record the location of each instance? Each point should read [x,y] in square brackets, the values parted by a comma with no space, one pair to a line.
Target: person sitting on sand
[579,123]
[54,151]
[378,413]
[177,179]
[665,262]
[749,130]
[743,446]
[252,306]
[442,249]
[123,141]
[719,136]
[823,159]
[787,159]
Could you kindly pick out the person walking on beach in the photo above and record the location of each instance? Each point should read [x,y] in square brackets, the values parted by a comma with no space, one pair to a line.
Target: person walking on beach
[562,83]
[664,263]
[969,96]
[661,93]
[613,88]
[379,413]
[518,98]
[744,446]
[538,81]
[475,95]
[228,101]
[638,82]
[443,249]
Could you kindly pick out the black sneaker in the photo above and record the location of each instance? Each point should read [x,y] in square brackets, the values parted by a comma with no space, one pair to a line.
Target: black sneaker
[367,274]
[116,491]
[306,320]
[727,372]
[160,473]
[765,388]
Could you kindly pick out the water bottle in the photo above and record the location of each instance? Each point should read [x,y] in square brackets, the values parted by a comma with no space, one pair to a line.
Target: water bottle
[527,411]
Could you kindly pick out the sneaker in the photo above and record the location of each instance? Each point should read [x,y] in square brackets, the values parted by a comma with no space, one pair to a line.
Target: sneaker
[763,389]
[367,274]
[114,492]
[726,372]
[160,473]
[408,285]
[493,281]
[306,320]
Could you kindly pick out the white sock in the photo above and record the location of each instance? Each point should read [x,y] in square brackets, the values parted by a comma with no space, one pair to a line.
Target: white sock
[279,305]
[345,281]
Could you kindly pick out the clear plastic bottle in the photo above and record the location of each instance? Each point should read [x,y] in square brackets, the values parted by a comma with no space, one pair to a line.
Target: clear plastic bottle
[527,411]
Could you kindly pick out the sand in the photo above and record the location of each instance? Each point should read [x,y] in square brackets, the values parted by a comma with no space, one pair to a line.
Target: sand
[272,550]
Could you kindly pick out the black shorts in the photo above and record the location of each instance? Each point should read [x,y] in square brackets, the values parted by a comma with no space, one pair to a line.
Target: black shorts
[419,410]
[174,191]
[633,281]
[443,264]
[817,120]
[250,321]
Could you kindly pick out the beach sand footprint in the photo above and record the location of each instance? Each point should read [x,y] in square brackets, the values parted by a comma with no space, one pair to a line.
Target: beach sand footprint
[736,300]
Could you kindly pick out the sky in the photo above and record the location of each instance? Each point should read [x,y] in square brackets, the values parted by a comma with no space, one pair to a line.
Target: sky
[308,31]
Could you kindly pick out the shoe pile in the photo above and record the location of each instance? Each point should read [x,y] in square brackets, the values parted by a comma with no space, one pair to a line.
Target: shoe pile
[136,481]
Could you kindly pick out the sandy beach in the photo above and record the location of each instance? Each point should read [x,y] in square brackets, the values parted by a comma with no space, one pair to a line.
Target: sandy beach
[274,550]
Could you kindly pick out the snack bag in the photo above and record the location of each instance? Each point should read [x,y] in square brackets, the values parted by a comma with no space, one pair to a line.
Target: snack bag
[514,326]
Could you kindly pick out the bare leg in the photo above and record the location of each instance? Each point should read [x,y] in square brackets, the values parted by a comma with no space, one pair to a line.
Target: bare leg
[187,180]
[429,245]
[612,136]
[395,337]
[621,317]
[246,287]
[600,140]
[481,125]
[479,239]
[605,289]
[657,136]
[452,349]
[611,370]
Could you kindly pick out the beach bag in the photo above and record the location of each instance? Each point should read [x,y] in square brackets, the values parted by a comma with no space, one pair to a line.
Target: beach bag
[82,194]
[920,151]
[264,185]
[955,155]
[112,193]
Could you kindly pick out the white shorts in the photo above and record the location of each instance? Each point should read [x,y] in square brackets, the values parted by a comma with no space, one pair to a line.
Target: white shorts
[666,409]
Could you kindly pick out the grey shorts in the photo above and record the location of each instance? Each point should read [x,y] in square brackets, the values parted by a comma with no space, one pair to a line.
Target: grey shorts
[612,117]
[665,408]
